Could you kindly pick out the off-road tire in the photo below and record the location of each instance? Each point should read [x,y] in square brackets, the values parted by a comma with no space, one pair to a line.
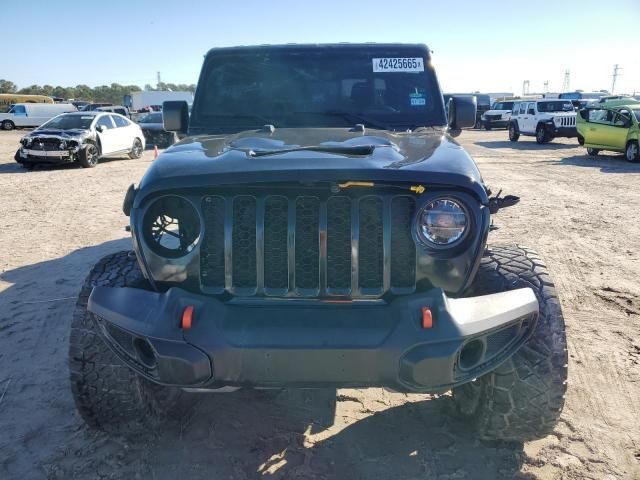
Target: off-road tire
[523,398]
[108,395]
[542,136]
[136,149]
[632,152]
[88,156]
[514,134]
[592,152]
[8,125]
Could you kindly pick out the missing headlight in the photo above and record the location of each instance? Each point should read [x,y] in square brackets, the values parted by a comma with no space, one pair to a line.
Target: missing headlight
[171,226]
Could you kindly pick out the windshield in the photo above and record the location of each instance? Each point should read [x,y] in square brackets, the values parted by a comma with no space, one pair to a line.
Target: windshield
[339,87]
[556,106]
[503,106]
[151,118]
[69,122]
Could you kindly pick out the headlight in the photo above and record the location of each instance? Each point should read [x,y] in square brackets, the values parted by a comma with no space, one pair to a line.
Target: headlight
[171,226]
[442,222]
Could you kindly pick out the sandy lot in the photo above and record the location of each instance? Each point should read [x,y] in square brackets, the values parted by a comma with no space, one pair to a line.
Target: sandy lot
[580,213]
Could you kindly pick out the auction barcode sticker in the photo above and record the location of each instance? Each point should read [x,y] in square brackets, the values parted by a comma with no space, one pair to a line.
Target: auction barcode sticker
[398,64]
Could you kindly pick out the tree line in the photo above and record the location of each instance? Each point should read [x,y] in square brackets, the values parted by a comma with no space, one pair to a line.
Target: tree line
[104,93]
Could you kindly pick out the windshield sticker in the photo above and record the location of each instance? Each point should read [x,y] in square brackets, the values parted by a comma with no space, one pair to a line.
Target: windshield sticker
[417,99]
[89,117]
[411,65]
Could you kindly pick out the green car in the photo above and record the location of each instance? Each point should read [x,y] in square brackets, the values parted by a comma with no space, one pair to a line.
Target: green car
[608,126]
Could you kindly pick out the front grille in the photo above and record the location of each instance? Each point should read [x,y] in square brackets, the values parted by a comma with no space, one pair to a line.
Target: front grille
[308,246]
[493,117]
[566,121]
[47,144]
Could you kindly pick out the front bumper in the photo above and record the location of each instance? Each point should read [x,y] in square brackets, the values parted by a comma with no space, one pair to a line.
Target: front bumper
[310,343]
[44,156]
[568,132]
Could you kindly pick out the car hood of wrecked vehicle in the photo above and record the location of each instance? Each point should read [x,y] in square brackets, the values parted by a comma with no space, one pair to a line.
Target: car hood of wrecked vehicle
[424,156]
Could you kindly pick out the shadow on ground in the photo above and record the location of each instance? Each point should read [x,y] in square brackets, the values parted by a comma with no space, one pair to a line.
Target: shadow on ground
[526,145]
[241,435]
[605,163]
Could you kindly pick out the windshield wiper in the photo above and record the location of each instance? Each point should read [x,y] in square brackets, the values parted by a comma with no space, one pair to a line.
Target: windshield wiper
[358,150]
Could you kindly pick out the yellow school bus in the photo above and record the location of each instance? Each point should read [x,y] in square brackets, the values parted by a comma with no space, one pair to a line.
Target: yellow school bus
[7,99]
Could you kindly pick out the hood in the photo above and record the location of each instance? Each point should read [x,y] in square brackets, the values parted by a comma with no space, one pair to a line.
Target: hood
[58,133]
[427,156]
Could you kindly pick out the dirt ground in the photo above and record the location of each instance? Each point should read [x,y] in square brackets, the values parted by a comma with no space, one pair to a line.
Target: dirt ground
[580,213]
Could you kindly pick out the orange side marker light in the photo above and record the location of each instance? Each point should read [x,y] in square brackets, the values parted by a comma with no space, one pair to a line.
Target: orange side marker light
[187,318]
[427,318]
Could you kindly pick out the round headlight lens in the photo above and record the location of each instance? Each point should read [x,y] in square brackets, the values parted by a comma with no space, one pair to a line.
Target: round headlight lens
[442,222]
[171,226]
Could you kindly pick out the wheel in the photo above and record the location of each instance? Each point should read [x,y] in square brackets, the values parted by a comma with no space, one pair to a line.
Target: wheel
[514,135]
[523,398]
[88,156]
[136,150]
[107,394]
[8,125]
[632,153]
[487,126]
[541,135]
[592,151]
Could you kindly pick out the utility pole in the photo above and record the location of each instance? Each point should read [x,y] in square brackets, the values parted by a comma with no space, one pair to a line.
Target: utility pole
[525,88]
[159,81]
[616,74]
[566,84]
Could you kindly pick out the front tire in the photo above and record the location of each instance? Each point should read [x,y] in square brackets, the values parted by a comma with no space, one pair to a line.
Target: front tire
[136,149]
[8,125]
[541,135]
[632,152]
[514,135]
[592,152]
[108,395]
[487,126]
[523,398]
[88,156]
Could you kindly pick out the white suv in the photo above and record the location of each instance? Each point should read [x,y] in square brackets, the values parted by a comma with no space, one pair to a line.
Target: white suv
[544,119]
[498,116]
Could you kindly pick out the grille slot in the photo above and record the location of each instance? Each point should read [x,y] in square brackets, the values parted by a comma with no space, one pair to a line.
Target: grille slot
[244,242]
[307,243]
[370,246]
[403,248]
[308,246]
[339,243]
[276,274]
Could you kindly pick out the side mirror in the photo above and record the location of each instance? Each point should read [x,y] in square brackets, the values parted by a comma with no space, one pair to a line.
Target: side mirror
[461,113]
[175,116]
[101,128]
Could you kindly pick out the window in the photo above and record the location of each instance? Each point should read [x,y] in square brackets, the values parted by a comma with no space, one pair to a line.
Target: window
[531,109]
[307,87]
[556,106]
[120,121]
[601,116]
[18,110]
[105,121]
[523,108]
[620,120]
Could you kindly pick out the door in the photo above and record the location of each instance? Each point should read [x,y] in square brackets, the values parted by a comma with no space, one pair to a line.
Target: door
[529,119]
[20,118]
[606,128]
[108,136]
[125,139]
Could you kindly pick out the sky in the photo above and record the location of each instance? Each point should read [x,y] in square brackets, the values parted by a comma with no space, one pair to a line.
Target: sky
[487,46]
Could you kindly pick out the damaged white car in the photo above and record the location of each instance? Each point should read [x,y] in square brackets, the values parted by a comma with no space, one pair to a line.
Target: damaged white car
[82,137]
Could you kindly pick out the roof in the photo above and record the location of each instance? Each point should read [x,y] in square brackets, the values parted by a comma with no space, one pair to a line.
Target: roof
[317,46]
